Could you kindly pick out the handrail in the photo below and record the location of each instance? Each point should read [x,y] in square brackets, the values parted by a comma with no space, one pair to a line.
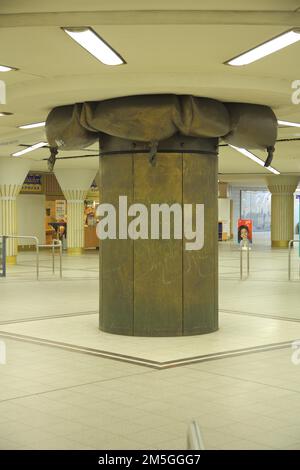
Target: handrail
[55,243]
[241,260]
[194,437]
[289,257]
[36,240]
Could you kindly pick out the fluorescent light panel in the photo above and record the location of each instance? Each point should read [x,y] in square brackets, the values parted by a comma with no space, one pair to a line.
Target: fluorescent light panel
[254,158]
[288,123]
[267,48]
[32,126]
[6,68]
[95,45]
[29,149]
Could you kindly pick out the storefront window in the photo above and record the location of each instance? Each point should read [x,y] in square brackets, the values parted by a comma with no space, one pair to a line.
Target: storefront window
[256,205]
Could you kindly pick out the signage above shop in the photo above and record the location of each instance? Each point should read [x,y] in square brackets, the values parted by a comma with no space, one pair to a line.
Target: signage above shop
[32,184]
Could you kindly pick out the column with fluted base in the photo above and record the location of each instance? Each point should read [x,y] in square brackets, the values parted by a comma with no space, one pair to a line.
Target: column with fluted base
[13,172]
[75,210]
[75,184]
[282,189]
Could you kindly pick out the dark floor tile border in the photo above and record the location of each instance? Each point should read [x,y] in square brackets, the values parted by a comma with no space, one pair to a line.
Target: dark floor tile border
[10,279]
[224,277]
[260,315]
[48,317]
[95,312]
[80,349]
[147,362]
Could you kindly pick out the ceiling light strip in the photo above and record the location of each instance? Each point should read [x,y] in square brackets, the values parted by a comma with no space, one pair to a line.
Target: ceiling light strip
[30,149]
[267,48]
[288,123]
[6,68]
[32,126]
[254,158]
[95,45]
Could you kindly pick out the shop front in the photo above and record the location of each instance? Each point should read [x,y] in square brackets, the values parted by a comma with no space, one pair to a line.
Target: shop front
[43,212]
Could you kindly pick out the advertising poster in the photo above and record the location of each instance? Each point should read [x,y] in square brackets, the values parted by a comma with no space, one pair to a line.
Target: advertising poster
[60,209]
[245,230]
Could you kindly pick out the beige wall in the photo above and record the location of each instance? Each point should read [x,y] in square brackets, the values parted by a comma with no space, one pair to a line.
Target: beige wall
[31,217]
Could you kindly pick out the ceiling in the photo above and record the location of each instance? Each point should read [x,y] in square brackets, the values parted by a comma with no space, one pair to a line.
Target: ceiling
[178,48]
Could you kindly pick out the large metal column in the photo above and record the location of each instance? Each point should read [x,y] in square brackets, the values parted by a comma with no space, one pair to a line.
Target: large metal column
[157,287]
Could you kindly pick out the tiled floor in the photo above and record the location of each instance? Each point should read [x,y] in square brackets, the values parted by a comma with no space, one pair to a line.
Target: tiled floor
[52,398]
[236,333]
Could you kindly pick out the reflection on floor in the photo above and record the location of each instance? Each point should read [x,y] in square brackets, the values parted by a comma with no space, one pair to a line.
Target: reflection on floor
[75,397]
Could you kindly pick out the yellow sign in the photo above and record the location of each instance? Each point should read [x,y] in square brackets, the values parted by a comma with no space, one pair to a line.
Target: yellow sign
[31,188]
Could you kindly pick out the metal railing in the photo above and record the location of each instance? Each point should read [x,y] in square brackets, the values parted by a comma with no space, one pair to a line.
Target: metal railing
[244,247]
[55,244]
[22,237]
[291,242]
[194,438]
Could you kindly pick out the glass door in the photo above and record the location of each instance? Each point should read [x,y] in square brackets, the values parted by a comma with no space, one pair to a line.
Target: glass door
[256,205]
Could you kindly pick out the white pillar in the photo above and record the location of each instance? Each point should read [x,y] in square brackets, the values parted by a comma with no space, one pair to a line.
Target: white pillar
[282,189]
[13,172]
[222,190]
[75,184]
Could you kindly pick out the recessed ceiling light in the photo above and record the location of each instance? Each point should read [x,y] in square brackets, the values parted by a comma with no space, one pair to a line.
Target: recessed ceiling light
[254,158]
[32,126]
[2,113]
[29,149]
[288,123]
[5,68]
[268,47]
[95,45]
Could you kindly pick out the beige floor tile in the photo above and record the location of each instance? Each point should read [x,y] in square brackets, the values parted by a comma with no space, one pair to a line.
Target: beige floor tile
[242,402]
